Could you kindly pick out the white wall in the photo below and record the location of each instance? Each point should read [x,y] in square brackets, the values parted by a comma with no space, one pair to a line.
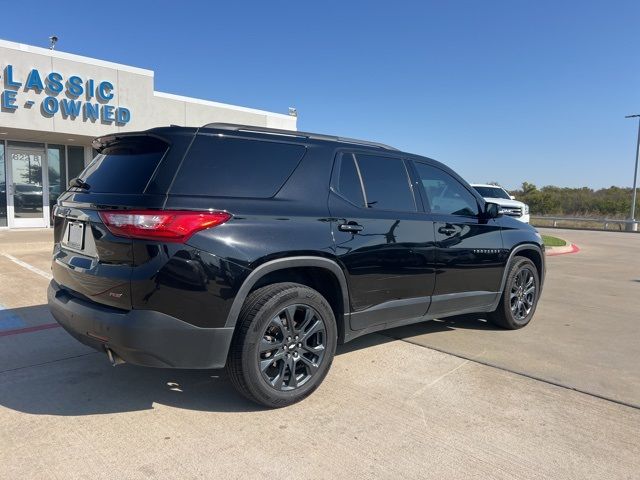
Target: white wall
[133,89]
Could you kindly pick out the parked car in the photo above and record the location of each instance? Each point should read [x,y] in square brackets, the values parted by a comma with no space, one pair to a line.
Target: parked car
[261,250]
[510,206]
[27,195]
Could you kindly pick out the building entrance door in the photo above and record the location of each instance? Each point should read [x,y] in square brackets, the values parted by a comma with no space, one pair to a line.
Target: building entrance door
[28,198]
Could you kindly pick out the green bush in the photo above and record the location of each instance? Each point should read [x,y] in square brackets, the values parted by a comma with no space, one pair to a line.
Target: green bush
[612,202]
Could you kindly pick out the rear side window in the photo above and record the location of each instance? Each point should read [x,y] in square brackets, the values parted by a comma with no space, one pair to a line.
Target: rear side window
[386,183]
[125,167]
[349,185]
[233,167]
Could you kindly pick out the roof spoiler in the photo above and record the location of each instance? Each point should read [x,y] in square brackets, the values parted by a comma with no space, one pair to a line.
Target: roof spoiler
[100,143]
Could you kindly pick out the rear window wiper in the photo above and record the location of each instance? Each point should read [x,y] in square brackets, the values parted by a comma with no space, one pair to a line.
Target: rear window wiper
[79,183]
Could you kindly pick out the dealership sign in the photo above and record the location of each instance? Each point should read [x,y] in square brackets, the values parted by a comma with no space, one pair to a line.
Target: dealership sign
[69,97]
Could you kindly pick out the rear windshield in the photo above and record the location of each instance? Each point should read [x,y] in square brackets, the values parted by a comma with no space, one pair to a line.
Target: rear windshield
[125,167]
[234,167]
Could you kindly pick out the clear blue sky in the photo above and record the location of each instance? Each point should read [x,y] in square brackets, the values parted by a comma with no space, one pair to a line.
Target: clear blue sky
[505,90]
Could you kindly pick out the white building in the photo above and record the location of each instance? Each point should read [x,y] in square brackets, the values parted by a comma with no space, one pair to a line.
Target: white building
[52,104]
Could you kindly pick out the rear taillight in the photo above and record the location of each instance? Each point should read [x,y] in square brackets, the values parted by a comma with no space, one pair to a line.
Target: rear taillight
[164,225]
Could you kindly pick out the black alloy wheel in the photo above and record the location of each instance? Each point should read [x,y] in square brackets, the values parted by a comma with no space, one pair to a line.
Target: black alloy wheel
[292,347]
[284,344]
[522,295]
[519,296]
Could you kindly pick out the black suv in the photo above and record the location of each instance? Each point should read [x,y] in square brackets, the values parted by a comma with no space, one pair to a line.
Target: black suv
[261,249]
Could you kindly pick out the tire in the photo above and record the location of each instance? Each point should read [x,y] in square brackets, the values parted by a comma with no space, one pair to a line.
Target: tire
[516,307]
[262,358]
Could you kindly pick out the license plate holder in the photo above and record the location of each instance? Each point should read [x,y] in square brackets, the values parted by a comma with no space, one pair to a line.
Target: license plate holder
[75,235]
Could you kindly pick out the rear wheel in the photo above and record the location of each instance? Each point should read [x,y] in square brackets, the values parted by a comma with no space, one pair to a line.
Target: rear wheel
[519,297]
[284,344]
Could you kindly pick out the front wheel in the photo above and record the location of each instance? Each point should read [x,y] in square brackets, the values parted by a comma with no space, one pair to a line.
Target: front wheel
[519,297]
[284,344]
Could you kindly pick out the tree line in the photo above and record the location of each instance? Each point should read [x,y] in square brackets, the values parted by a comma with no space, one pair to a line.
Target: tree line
[612,202]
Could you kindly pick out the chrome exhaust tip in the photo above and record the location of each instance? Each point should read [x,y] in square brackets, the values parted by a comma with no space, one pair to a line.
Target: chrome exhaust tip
[114,358]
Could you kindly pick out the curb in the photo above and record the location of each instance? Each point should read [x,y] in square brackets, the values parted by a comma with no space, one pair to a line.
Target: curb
[553,251]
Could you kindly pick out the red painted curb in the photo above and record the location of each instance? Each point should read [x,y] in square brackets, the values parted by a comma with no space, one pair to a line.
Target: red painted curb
[574,249]
[37,328]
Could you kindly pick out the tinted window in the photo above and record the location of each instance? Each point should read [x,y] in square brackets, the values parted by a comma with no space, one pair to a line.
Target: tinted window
[231,167]
[386,183]
[349,181]
[445,194]
[492,192]
[125,167]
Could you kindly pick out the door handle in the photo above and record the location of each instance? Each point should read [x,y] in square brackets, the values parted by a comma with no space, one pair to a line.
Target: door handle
[447,230]
[351,227]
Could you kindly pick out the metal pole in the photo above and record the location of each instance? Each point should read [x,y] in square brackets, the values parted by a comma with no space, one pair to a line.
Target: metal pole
[635,180]
[632,225]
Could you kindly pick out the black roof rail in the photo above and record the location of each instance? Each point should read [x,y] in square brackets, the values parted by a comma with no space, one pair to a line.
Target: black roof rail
[294,133]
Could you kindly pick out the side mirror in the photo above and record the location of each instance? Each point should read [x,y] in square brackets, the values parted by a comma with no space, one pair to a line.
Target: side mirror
[78,183]
[512,197]
[492,210]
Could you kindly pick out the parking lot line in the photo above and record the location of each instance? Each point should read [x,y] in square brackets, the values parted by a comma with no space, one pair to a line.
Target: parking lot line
[36,270]
[35,328]
[514,371]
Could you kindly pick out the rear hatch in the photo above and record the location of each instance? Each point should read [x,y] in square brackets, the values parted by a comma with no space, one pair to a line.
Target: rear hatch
[88,260]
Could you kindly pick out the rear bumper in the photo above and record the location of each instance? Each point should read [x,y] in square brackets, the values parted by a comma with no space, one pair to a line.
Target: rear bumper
[140,337]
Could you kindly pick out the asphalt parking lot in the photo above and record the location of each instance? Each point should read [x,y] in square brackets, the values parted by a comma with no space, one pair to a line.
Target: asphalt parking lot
[446,399]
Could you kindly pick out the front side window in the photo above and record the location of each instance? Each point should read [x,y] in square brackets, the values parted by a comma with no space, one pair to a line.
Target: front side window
[445,194]
[386,183]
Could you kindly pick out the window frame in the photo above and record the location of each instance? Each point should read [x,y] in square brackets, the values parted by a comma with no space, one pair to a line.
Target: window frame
[335,178]
[337,168]
[425,199]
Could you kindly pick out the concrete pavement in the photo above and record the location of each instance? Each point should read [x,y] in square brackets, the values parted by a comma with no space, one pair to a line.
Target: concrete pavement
[585,333]
[389,408]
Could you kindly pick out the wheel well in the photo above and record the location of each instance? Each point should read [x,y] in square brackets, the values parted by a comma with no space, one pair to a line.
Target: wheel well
[534,256]
[318,278]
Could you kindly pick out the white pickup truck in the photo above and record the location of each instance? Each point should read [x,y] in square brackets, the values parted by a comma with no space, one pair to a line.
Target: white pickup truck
[510,206]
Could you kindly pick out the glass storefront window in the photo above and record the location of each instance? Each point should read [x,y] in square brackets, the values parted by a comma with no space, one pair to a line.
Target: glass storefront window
[25,160]
[3,188]
[56,158]
[75,161]
[32,167]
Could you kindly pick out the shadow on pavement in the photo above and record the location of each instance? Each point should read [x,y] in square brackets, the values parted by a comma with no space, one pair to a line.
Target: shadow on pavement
[86,384]
[89,386]
[467,322]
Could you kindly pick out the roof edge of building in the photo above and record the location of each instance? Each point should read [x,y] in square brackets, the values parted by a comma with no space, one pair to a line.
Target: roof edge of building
[23,47]
[211,103]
